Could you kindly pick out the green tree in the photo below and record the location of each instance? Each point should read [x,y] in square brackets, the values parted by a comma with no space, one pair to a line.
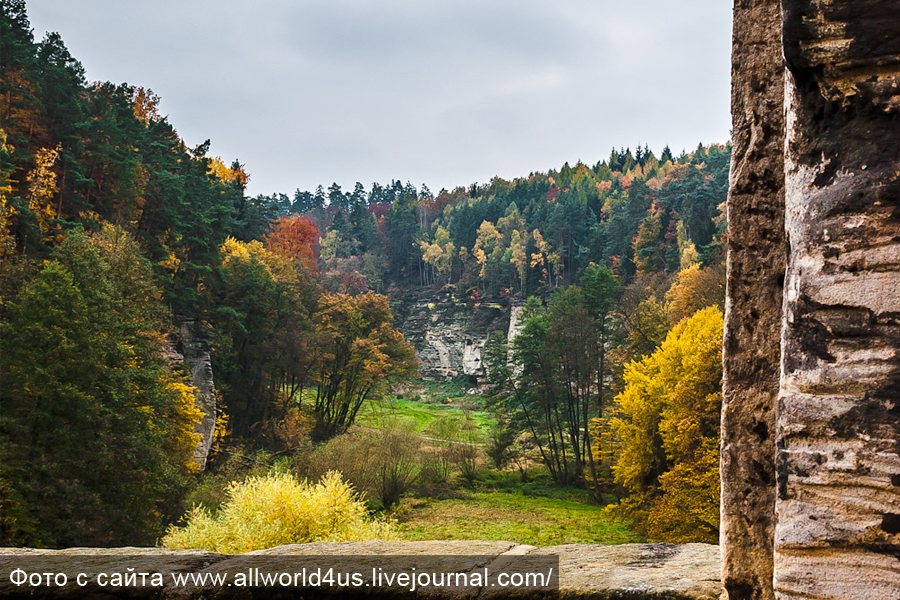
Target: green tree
[524,385]
[98,433]
[264,345]
[571,348]
[599,293]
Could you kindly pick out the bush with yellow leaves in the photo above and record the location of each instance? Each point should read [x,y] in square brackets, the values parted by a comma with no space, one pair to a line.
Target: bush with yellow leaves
[276,509]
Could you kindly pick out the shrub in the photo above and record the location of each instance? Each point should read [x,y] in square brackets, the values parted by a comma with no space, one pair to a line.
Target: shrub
[499,444]
[435,467]
[277,509]
[381,464]
[396,468]
[352,455]
[465,451]
[437,460]
[230,464]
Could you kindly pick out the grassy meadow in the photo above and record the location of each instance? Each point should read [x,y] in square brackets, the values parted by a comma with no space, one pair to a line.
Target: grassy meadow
[498,505]
[422,404]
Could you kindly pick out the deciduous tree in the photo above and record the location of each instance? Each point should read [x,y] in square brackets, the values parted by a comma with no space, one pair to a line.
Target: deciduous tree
[363,354]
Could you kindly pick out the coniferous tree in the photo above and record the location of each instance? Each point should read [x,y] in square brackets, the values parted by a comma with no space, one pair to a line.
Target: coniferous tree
[98,431]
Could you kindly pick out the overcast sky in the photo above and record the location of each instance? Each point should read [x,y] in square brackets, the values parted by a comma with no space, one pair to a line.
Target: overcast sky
[441,92]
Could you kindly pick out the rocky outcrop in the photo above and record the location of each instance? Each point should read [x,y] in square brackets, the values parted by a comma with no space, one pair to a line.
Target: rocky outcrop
[837,419]
[515,326]
[449,334]
[629,571]
[189,348]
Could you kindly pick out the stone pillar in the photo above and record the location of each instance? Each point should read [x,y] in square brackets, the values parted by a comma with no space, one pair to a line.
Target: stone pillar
[838,421]
[756,259]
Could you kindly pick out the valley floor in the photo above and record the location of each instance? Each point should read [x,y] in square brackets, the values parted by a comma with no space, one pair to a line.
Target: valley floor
[498,505]
[538,521]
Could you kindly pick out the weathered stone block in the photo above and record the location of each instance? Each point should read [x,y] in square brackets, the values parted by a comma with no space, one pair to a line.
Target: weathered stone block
[628,571]
[756,259]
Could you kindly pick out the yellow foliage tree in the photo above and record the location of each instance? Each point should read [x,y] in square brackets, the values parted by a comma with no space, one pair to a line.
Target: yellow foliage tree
[439,253]
[517,245]
[7,243]
[42,188]
[667,427]
[488,248]
[279,268]
[686,248]
[233,174]
[182,418]
[695,289]
[361,356]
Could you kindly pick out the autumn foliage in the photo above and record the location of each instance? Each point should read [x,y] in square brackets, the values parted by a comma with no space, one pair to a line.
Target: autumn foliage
[362,355]
[620,262]
[667,432]
[277,509]
[98,420]
[294,238]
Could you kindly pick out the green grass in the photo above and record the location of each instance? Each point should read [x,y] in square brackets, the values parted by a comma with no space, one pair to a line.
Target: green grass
[414,416]
[539,485]
[430,403]
[437,390]
[511,517]
[499,506]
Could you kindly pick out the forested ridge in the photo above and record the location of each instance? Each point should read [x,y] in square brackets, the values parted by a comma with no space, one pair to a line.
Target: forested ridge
[113,230]
[636,213]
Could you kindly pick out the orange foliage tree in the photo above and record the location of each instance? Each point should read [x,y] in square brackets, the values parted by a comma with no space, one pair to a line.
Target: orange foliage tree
[294,238]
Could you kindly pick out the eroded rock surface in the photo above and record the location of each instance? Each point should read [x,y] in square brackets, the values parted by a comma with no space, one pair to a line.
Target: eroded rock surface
[837,418]
[756,259]
[628,571]
[190,348]
[838,434]
[449,334]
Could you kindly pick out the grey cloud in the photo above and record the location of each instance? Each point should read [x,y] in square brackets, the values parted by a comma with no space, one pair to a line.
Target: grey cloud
[444,92]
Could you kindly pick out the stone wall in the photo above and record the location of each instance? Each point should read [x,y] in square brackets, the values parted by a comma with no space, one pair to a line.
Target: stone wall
[626,572]
[836,475]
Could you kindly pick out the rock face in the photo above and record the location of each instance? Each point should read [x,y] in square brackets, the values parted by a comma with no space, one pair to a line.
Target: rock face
[756,258]
[837,418]
[514,325]
[838,436]
[449,334]
[632,571]
[190,348]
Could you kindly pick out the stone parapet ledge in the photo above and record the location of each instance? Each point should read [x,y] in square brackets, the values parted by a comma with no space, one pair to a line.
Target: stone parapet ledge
[628,571]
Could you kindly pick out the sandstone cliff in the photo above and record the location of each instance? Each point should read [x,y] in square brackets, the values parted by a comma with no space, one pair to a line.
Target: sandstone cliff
[449,334]
[189,348]
[811,509]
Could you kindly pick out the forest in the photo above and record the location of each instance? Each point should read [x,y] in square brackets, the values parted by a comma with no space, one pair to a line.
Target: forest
[605,405]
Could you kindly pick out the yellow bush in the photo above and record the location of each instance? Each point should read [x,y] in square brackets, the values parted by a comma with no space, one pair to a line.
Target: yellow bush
[276,509]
